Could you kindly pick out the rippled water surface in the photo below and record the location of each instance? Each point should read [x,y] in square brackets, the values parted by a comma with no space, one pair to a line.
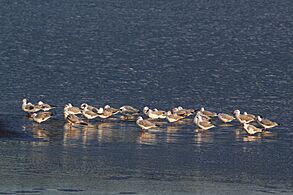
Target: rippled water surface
[223,55]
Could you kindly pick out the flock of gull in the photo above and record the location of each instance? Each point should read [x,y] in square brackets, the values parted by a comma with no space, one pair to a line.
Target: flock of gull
[203,119]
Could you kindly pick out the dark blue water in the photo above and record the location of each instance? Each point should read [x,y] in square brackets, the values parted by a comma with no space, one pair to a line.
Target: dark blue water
[223,55]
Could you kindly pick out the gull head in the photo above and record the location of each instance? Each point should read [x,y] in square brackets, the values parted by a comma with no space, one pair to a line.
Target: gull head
[122,109]
[259,118]
[146,109]
[83,106]
[40,103]
[34,114]
[100,110]
[66,114]
[236,112]
[196,120]
[199,113]
[175,109]
[199,118]
[66,106]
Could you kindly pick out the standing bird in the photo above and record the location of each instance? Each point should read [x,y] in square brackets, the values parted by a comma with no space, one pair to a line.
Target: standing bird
[266,123]
[205,125]
[144,124]
[243,118]
[29,107]
[45,107]
[41,116]
[251,130]
[226,118]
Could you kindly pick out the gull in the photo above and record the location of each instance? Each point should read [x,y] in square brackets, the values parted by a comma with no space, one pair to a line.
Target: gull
[205,125]
[175,109]
[251,115]
[102,113]
[203,117]
[29,107]
[73,119]
[251,130]
[154,114]
[207,113]
[71,109]
[89,114]
[110,109]
[173,117]
[89,107]
[45,107]
[183,112]
[243,118]
[147,112]
[266,123]
[128,110]
[144,124]
[41,116]
[189,111]
[226,118]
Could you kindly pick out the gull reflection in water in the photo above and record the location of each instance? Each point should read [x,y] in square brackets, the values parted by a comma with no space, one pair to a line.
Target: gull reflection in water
[268,134]
[226,125]
[147,138]
[203,136]
[105,131]
[89,133]
[172,133]
[252,138]
[71,134]
[41,134]
[241,135]
[260,137]
[185,121]
[172,128]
